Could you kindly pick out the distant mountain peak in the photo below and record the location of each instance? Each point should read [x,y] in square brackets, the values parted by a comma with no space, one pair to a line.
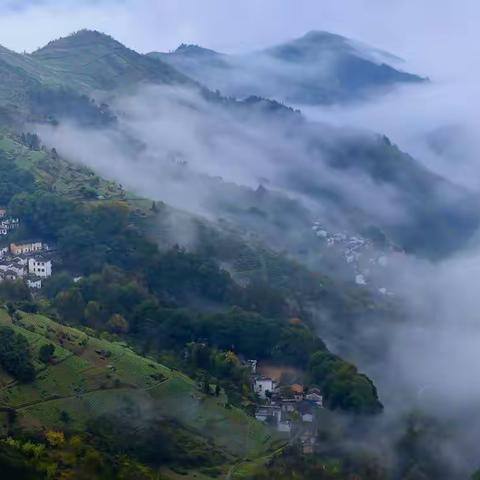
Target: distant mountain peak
[194,50]
[90,60]
[320,35]
[80,38]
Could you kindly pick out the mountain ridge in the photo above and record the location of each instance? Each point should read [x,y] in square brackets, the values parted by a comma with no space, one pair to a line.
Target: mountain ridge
[317,68]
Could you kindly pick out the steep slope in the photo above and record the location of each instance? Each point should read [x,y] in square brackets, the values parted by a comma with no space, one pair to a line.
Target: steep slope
[54,173]
[89,60]
[318,68]
[19,74]
[91,377]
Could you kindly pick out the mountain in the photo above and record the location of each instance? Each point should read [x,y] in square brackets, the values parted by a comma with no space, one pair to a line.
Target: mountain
[20,73]
[90,60]
[318,68]
[149,308]
[58,80]
[82,63]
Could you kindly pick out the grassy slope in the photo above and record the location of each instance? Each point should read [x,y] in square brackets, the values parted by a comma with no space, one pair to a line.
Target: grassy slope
[84,384]
[19,73]
[67,178]
[93,61]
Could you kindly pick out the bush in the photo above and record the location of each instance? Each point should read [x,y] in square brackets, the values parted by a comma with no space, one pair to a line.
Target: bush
[46,353]
[15,355]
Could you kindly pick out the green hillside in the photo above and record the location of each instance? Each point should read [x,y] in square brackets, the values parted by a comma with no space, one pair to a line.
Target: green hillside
[53,81]
[91,377]
[90,60]
[70,180]
[19,74]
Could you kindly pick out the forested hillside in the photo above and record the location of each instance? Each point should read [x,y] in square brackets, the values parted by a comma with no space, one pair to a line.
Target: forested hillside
[171,304]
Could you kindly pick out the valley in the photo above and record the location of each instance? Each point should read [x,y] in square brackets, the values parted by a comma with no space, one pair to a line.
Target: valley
[200,281]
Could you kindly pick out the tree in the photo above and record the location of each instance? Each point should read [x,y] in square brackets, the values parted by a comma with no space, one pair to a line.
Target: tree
[93,314]
[343,387]
[15,356]
[52,286]
[55,439]
[46,353]
[118,324]
[13,180]
[14,291]
[65,416]
[205,385]
[70,305]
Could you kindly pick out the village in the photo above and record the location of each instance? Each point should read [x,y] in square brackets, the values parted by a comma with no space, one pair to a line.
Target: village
[27,260]
[365,262]
[290,408]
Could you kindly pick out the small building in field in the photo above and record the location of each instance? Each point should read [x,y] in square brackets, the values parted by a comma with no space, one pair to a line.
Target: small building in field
[3,212]
[40,267]
[34,283]
[23,248]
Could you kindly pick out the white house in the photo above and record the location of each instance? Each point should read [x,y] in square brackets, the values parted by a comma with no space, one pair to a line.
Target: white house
[307,417]
[35,283]
[253,365]
[40,267]
[10,223]
[264,413]
[9,275]
[13,269]
[315,397]
[263,385]
[284,426]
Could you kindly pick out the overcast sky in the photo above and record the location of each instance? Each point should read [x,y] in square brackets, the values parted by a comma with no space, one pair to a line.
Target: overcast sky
[421,31]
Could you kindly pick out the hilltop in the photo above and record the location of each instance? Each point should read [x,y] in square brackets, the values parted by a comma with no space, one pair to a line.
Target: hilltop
[317,68]
[90,60]
[57,79]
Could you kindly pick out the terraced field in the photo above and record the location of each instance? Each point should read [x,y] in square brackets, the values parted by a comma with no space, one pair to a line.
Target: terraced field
[91,376]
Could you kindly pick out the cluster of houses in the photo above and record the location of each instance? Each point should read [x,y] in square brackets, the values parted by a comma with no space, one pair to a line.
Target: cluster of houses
[362,259]
[29,260]
[7,224]
[290,409]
